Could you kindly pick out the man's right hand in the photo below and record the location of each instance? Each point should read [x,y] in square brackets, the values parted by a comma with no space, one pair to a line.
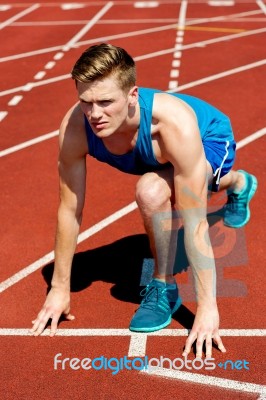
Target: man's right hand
[57,303]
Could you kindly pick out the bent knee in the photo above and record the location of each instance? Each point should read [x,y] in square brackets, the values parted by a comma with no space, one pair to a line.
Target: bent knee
[152,190]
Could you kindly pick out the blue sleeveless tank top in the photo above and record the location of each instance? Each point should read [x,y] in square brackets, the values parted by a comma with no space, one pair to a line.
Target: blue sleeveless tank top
[213,125]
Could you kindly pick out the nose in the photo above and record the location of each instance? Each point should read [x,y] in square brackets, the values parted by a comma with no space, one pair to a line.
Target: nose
[96,111]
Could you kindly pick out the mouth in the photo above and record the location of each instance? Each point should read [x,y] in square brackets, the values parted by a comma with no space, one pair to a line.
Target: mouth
[98,125]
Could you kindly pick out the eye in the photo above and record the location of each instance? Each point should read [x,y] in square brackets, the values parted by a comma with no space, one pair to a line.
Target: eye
[85,102]
[105,103]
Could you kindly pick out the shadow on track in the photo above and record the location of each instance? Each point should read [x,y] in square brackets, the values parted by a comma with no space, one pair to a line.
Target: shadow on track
[122,263]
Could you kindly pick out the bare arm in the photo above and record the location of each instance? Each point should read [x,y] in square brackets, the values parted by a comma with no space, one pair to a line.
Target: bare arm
[181,145]
[72,174]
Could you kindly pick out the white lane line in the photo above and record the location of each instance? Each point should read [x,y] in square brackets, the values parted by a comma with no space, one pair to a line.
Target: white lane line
[30,53]
[127,332]
[72,6]
[125,35]
[226,18]
[261,5]
[201,44]
[50,65]
[263,19]
[172,84]
[87,233]
[220,3]
[138,58]
[176,63]
[208,380]
[87,27]
[174,73]
[15,100]
[146,4]
[39,75]
[19,15]
[102,22]
[179,39]
[3,114]
[29,143]
[83,236]
[137,345]
[58,56]
[180,88]
[250,138]
[182,15]
[31,85]
[188,23]
[177,54]
[191,21]
[27,87]
[91,41]
[220,75]
[5,7]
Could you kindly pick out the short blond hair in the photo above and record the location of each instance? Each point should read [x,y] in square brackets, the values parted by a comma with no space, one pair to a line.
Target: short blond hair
[103,60]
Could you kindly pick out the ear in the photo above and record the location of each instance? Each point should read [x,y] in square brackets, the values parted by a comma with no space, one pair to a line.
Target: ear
[133,96]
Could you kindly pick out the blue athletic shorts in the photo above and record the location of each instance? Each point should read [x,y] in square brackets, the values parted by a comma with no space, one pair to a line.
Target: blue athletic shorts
[221,156]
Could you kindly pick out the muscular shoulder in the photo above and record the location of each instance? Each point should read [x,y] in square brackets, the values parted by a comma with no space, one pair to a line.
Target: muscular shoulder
[171,110]
[72,136]
[176,129]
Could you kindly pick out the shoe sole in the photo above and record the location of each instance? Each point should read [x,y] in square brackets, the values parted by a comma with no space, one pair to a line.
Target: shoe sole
[158,327]
[251,194]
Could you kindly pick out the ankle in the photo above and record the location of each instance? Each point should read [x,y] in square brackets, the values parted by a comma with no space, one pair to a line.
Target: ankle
[240,183]
[164,278]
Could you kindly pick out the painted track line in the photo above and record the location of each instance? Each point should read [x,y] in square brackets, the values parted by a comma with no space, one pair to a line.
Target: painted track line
[137,348]
[138,58]
[223,18]
[219,76]
[182,15]
[137,345]
[86,28]
[102,22]
[111,37]
[250,138]
[28,143]
[201,43]
[19,15]
[97,228]
[90,41]
[261,5]
[219,383]
[31,142]
[176,62]
[32,85]
[82,236]
[127,332]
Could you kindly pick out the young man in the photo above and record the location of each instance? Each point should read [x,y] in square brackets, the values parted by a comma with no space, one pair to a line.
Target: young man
[180,145]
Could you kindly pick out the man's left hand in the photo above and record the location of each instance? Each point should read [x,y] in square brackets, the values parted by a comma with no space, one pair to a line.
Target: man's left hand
[205,329]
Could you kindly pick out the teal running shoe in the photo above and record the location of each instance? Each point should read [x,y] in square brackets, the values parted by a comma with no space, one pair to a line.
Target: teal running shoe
[160,301]
[236,210]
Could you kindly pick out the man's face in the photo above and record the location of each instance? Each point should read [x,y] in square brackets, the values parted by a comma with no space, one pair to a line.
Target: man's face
[105,105]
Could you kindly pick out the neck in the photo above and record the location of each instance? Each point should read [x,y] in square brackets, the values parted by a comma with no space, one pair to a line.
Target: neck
[124,139]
